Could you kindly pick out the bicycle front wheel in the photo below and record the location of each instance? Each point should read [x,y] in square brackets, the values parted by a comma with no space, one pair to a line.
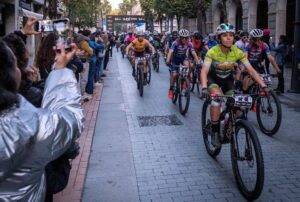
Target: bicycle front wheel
[269,114]
[207,130]
[247,160]
[184,95]
[148,73]
[141,81]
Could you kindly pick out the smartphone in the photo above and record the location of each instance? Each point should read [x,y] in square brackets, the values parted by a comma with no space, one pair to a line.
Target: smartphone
[44,26]
[61,28]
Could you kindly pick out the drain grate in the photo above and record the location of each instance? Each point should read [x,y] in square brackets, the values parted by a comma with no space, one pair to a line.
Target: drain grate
[169,120]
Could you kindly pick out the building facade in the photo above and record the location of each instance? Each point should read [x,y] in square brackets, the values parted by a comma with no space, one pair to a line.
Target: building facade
[277,15]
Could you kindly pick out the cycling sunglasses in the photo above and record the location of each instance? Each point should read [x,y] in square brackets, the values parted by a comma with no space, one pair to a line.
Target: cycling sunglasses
[184,37]
[227,27]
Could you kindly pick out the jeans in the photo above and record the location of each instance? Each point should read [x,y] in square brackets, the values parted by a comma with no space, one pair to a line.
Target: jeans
[106,59]
[281,79]
[91,77]
[99,68]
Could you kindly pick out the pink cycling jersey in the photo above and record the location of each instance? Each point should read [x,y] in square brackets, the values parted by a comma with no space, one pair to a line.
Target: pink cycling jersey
[129,39]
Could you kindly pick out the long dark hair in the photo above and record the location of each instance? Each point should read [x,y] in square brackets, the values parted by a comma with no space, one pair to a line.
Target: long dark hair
[8,83]
[45,55]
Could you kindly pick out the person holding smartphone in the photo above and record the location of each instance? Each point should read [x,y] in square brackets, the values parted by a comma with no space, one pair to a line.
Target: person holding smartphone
[32,137]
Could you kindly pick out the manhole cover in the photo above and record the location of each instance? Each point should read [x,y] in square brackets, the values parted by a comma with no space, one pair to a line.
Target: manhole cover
[169,120]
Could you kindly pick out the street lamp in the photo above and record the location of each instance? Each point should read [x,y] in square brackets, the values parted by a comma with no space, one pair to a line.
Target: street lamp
[295,82]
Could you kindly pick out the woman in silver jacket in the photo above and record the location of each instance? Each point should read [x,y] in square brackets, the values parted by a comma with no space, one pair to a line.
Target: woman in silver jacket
[32,137]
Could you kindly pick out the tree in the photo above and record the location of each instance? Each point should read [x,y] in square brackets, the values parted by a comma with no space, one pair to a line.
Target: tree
[83,13]
[127,6]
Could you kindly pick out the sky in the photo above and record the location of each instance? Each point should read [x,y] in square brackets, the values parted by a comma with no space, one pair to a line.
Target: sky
[115,3]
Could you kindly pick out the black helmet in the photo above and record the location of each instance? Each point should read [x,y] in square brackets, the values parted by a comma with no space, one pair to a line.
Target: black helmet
[198,36]
[244,33]
[174,33]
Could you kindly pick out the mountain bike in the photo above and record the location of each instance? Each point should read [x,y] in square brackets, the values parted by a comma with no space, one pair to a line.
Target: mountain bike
[246,154]
[182,90]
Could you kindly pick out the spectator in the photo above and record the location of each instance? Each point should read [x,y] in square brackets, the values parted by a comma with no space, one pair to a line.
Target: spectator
[92,67]
[266,39]
[33,136]
[100,57]
[280,53]
[107,44]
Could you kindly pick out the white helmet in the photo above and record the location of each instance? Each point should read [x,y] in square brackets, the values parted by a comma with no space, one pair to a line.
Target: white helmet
[225,28]
[184,33]
[256,33]
[140,33]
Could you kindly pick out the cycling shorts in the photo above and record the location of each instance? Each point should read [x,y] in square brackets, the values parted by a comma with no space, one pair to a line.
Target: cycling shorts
[226,84]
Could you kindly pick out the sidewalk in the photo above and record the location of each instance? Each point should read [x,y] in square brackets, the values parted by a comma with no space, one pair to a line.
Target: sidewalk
[73,192]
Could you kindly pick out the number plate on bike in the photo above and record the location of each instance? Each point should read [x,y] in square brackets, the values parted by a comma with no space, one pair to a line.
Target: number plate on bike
[243,101]
[266,79]
[183,70]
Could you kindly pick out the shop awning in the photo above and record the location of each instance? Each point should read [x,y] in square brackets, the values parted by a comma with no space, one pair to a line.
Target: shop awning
[27,13]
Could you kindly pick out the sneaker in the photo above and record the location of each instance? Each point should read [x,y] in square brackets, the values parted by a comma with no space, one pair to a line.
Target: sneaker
[86,97]
[171,94]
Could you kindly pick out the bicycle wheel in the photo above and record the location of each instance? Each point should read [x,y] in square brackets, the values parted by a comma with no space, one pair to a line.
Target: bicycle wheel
[141,81]
[247,160]
[157,63]
[192,80]
[269,114]
[149,73]
[207,131]
[184,95]
[175,94]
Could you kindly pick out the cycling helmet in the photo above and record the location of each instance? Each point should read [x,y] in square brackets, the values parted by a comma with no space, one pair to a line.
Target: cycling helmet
[184,33]
[147,33]
[174,33]
[197,36]
[211,34]
[140,33]
[256,33]
[244,33]
[266,32]
[225,28]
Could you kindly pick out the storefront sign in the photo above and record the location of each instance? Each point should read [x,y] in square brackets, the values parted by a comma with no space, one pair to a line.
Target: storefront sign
[25,4]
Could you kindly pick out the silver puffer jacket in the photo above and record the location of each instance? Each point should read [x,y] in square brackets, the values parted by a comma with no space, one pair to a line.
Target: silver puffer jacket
[32,137]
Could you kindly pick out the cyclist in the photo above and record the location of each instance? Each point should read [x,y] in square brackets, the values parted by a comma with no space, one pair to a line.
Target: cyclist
[243,42]
[129,38]
[257,52]
[179,51]
[211,42]
[139,45]
[171,39]
[197,41]
[219,79]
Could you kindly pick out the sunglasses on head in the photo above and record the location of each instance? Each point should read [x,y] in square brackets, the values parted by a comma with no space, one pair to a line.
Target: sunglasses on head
[227,27]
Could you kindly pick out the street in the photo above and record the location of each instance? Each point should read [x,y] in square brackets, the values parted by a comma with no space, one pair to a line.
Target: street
[145,150]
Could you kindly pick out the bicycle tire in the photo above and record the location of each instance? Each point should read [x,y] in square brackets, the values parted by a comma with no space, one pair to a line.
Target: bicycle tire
[192,83]
[264,129]
[157,63]
[175,94]
[255,193]
[184,87]
[205,128]
[141,82]
[149,74]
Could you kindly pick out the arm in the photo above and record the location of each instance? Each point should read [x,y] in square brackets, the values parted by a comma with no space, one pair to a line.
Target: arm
[196,57]
[169,56]
[127,48]
[254,74]
[204,73]
[273,62]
